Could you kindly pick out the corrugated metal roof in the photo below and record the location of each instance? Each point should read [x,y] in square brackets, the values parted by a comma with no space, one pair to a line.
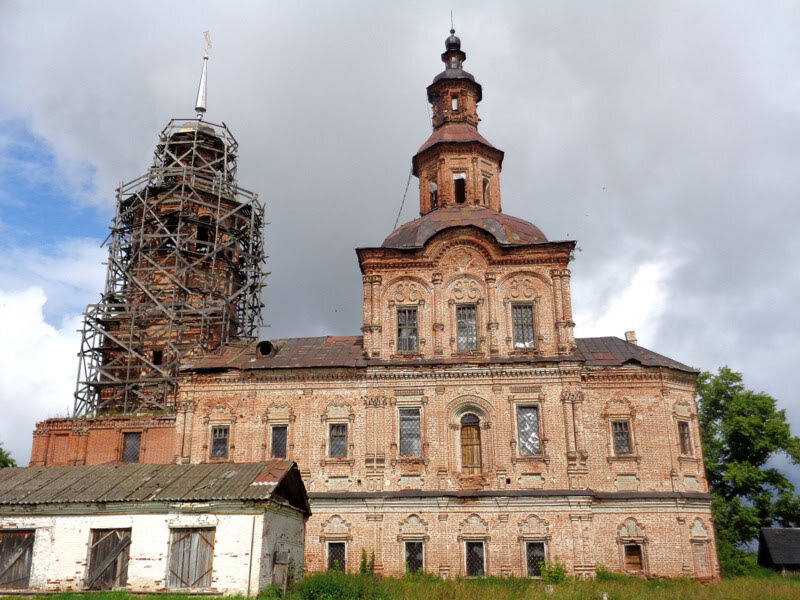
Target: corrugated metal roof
[348,352]
[139,483]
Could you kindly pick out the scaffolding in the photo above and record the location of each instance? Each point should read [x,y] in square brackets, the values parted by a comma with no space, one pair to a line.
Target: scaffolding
[184,274]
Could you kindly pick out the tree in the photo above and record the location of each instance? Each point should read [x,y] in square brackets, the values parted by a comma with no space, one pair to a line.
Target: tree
[741,430]
[5,459]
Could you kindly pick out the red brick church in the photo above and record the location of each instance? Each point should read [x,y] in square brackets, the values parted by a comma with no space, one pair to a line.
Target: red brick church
[465,432]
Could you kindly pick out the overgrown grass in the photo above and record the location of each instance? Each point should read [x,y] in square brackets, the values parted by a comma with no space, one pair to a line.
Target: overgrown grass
[340,586]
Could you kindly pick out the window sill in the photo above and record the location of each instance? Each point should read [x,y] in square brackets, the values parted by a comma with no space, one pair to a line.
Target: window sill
[624,458]
[687,458]
[330,461]
[531,458]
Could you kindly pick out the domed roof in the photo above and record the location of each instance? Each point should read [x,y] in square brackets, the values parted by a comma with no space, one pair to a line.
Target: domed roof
[507,230]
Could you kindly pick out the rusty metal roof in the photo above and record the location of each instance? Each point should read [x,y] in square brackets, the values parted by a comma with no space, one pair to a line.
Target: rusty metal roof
[151,483]
[616,352]
[507,230]
[347,352]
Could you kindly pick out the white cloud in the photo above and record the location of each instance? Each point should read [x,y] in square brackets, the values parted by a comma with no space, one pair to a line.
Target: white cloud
[37,367]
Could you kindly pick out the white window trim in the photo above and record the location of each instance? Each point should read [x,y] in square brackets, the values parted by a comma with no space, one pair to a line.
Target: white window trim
[415,405]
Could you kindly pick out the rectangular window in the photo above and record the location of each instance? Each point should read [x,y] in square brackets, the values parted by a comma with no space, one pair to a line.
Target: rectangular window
[622,437]
[685,438]
[130,447]
[338,440]
[109,553]
[633,558]
[409,432]
[414,558]
[219,442]
[407,330]
[191,555]
[534,555]
[467,327]
[700,560]
[528,429]
[336,556]
[454,102]
[16,557]
[522,318]
[476,566]
[279,441]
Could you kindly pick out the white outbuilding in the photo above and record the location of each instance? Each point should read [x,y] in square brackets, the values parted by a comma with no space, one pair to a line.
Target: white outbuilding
[224,527]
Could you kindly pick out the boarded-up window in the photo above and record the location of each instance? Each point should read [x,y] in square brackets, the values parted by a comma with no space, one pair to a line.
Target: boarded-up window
[16,555]
[685,438]
[700,561]
[528,428]
[414,559]
[131,445]
[279,441]
[467,327]
[534,555]
[470,445]
[336,556]
[109,553]
[191,554]
[633,558]
[475,563]
[338,440]
[409,432]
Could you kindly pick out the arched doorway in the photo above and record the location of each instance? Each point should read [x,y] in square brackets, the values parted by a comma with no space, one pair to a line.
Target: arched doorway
[470,444]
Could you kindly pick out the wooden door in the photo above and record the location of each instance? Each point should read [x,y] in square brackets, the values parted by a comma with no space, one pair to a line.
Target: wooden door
[470,445]
[191,555]
[16,554]
[109,553]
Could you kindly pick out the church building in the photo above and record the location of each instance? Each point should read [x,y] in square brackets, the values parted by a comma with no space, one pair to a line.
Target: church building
[465,432]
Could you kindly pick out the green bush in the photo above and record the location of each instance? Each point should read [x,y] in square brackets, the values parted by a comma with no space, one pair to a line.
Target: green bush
[554,571]
[603,574]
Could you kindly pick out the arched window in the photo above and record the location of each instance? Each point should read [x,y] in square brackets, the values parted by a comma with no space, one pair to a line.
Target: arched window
[434,191]
[470,444]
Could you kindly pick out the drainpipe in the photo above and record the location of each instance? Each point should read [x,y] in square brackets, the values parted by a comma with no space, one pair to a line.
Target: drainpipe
[252,543]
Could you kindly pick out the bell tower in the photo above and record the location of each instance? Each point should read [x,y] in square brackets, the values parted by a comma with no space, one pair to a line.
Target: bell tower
[456,166]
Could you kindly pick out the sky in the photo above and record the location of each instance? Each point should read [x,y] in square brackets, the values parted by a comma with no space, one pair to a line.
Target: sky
[663,136]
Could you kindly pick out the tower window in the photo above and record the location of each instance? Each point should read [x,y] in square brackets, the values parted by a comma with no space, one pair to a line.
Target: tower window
[685,438]
[485,190]
[467,327]
[454,102]
[522,320]
[434,192]
[460,182]
[158,357]
[406,329]
[204,235]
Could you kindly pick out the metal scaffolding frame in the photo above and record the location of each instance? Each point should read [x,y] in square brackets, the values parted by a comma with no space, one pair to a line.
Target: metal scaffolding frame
[184,275]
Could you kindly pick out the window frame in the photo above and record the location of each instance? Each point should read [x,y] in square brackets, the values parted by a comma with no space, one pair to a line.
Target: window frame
[480,444]
[212,452]
[407,541]
[465,546]
[272,428]
[537,406]
[688,449]
[398,327]
[477,347]
[525,543]
[533,345]
[631,447]
[400,409]
[328,554]
[200,531]
[629,544]
[125,437]
[331,425]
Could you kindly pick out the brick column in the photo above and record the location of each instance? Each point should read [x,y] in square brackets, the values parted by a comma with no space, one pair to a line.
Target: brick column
[438,317]
[491,306]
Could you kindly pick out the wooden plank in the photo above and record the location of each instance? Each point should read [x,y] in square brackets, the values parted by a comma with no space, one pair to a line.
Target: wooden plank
[17,555]
[115,551]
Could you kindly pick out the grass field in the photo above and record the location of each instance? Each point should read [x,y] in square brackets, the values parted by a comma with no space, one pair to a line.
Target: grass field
[335,586]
